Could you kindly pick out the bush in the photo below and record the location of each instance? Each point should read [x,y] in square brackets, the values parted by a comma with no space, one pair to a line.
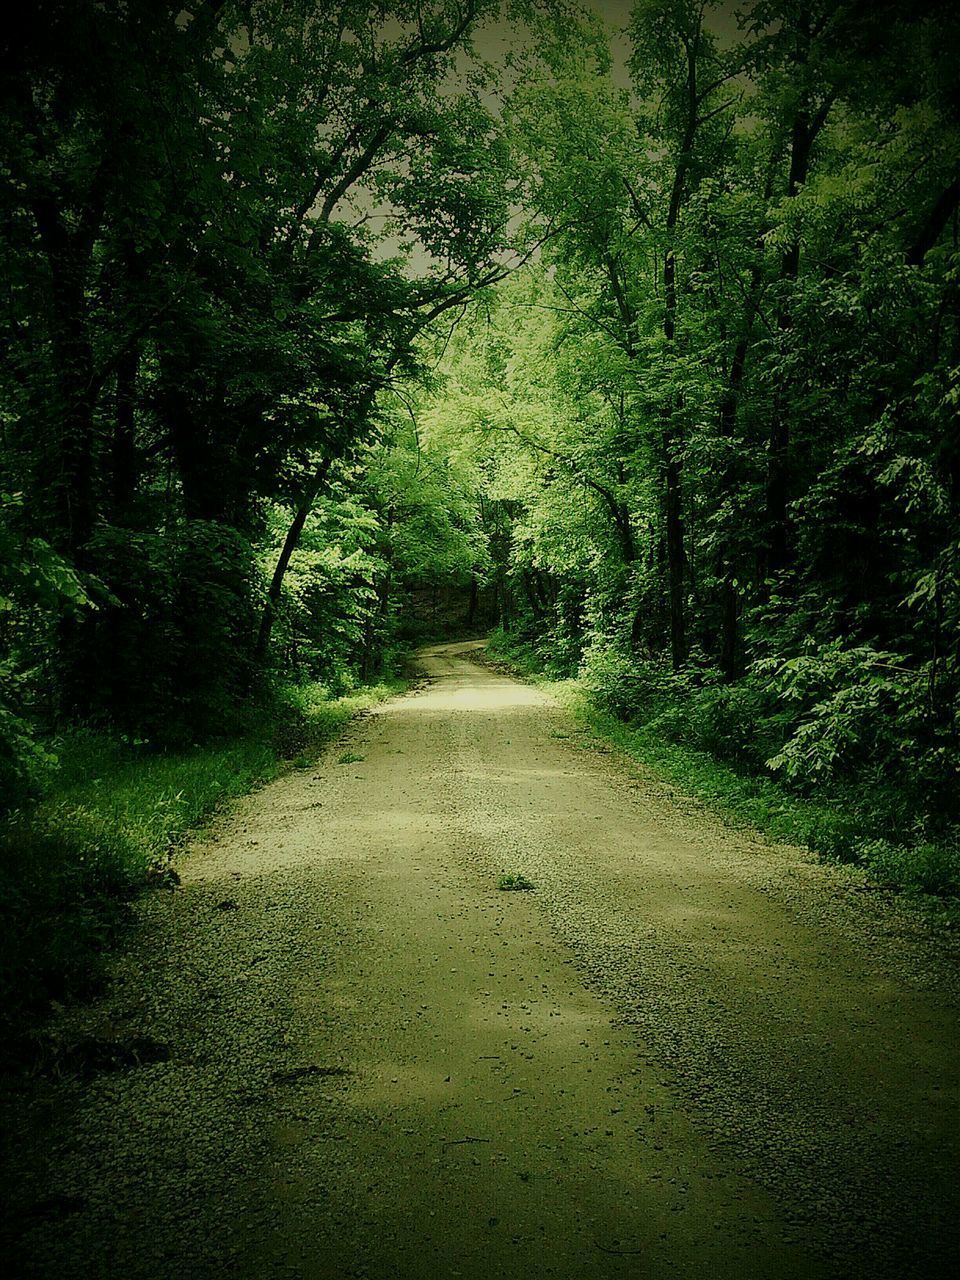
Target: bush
[25,764]
[623,685]
[921,868]
[738,722]
[67,877]
[176,613]
[559,652]
[506,646]
[851,708]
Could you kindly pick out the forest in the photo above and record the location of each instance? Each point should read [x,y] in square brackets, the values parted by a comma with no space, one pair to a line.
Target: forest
[630,332]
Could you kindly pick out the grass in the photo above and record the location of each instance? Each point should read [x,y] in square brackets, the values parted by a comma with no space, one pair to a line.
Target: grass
[107,828]
[844,832]
[515,883]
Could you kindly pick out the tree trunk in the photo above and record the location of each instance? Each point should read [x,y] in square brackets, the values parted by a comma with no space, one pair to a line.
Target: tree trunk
[73,360]
[729,629]
[939,216]
[290,544]
[123,452]
[373,649]
[672,439]
[675,560]
[534,598]
[806,128]
[673,487]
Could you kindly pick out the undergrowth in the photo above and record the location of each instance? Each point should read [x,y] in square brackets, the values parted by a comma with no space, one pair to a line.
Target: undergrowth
[105,829]
[660,727]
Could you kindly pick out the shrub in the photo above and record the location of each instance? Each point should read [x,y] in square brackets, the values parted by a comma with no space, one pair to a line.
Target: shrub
[738,722]
[507,647]
[25,763]
[624,685]
[922,868]
[67,876]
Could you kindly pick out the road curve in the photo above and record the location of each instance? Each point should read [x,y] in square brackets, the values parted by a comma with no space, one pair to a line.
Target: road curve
[688,1054]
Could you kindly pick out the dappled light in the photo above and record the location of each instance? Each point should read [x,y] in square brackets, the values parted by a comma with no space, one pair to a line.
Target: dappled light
[455,694]
[457,684]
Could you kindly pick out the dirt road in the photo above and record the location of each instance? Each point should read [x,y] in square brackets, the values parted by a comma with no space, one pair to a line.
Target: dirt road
[687,1054]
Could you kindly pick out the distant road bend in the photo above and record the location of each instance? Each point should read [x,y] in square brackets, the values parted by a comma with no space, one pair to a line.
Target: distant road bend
[687,1055]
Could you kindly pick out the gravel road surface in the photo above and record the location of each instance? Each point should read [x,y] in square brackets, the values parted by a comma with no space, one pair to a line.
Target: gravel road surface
[338,1050]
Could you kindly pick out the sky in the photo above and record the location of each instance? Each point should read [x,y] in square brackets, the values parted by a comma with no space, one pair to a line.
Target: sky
[495,40]
[720,16]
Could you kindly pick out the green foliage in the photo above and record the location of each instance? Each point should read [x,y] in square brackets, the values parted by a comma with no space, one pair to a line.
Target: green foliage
[33,579]
[515,883]
[714,427]
[30,570]
[852,704]
[24,761]
[623,686]
[179,630]
[921,868]
[511,650]
[68,873]
[179,363]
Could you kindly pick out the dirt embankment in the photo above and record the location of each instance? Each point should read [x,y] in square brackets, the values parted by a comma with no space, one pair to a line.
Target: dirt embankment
[687,1054]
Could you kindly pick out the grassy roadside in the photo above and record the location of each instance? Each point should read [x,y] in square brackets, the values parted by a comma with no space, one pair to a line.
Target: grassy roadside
[841,834]
[106,829]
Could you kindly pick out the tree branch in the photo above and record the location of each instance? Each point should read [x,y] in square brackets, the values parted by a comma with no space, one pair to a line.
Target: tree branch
[427,48]
[356,171]
[639,211]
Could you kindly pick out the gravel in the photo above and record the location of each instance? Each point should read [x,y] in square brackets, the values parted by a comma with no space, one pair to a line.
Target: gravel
[337,1050]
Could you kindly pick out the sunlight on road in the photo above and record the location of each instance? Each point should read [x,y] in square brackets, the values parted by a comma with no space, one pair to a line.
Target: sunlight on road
[459,683]
[491,696]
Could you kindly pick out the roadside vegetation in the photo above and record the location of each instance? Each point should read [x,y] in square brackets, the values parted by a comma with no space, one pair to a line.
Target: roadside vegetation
[107,825]
[213,500]
[674,732]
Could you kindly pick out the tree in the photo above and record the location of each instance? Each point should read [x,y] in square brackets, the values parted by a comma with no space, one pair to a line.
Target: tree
[224,243]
